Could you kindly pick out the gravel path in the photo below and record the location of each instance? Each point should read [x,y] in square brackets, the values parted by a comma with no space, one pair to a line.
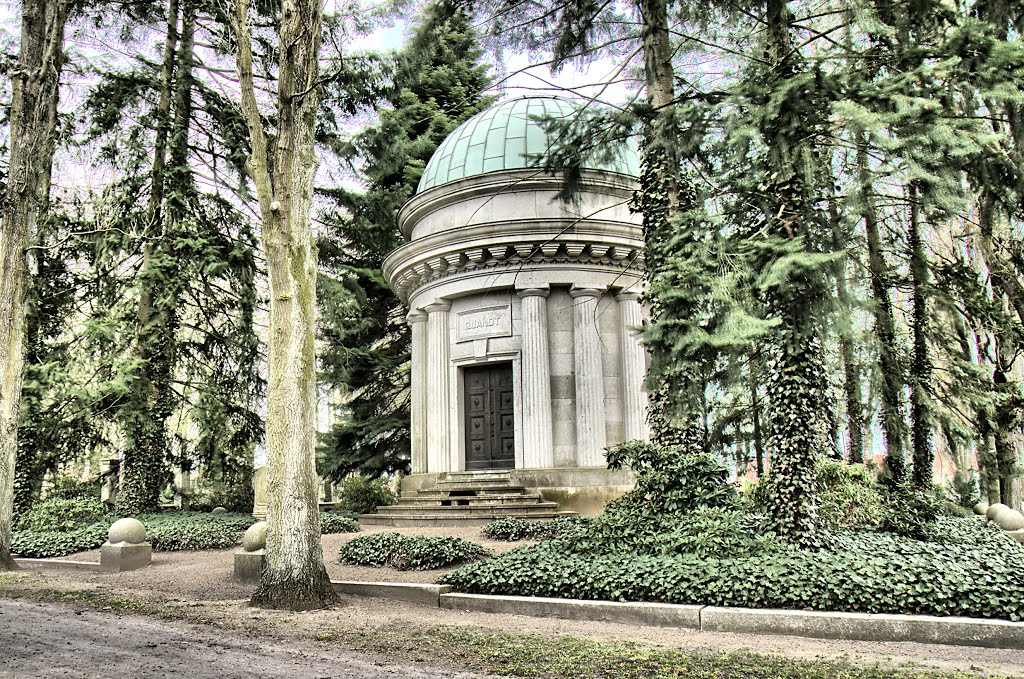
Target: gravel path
[50,640]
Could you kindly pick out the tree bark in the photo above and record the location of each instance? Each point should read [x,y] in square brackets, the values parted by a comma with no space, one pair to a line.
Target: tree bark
[921,367]
[36,82]
[282,170]
[893,423]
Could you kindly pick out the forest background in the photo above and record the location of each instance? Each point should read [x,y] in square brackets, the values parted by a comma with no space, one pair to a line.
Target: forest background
[832,208]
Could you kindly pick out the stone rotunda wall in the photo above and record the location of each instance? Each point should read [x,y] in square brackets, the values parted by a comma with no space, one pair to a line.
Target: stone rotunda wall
[523,309]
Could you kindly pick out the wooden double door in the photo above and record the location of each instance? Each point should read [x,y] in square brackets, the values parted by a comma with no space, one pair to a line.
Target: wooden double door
[490,417]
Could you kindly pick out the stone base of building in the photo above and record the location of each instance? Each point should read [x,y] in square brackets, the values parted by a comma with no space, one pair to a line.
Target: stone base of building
[578,490]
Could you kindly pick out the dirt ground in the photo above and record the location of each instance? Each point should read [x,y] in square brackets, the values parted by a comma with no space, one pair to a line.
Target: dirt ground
[51,640]
[201,583]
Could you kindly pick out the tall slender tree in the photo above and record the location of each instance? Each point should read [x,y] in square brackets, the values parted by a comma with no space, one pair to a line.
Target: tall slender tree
[36,82]
[282,167]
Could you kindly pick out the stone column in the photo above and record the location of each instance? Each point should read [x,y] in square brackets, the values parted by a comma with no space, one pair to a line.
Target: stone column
[633,358]
[418,415]
[437,389]
[538,451]
[590,410]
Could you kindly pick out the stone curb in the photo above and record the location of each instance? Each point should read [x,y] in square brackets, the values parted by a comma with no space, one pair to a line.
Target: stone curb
[425,595]
[651,614]
[62,563]
[922,629]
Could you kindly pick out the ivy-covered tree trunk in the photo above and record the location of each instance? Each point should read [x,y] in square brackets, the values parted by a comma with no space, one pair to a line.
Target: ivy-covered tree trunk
[674,415]
[891,394]
[794,363]
[921,367]
[143,468]
[35,83]
[282,168]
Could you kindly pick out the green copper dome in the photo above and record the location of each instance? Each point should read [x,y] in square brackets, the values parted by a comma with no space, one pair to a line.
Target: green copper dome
[506,136]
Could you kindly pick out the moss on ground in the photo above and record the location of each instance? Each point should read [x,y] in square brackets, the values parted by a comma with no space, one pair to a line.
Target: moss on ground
[525,655]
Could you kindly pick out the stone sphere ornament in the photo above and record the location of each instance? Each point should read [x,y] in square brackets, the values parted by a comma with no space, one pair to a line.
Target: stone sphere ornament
[981,508]
[992,510]
[1009,520]
[255,537]
[219,510]
[127,530]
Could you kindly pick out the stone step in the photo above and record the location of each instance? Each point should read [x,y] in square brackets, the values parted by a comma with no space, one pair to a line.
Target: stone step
[473,500]
[503,510]
[476,478]
[478,489]
[450,519]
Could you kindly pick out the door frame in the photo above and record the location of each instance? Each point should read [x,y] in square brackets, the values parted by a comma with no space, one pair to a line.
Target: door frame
[458,413]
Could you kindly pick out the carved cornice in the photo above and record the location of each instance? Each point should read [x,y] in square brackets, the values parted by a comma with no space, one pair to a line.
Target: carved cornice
[617,247]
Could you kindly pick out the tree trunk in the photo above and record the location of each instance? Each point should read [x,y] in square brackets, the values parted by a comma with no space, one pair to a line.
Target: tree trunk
[921,367]
[893,423]
[851,371]
[294,576]
[755,416]
[36,82]
[143,460]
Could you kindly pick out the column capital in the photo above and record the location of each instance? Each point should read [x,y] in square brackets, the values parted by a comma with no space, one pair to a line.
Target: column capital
[416,316]
[439,305]
[584,292]
[627,296]
[537,291]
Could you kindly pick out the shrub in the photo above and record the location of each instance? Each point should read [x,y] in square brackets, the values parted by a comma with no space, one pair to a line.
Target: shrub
[910,512]
[671,481]
[514,528]
[45,544]
[337,522]
[410,552]
[176,531]
[362,495]
[709,531]
[849,496]
[71,488]
[62,514]
[963,489]
[864,572]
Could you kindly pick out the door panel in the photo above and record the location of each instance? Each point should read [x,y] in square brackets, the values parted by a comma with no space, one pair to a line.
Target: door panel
[490,417]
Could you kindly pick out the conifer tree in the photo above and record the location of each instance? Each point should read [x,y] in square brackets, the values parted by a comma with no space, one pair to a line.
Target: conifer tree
[188,305]
[438,82]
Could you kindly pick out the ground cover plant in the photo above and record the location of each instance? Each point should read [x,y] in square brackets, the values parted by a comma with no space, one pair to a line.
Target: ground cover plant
[61,527]
[515,528]
[337,522]
[893,554]
[410,552]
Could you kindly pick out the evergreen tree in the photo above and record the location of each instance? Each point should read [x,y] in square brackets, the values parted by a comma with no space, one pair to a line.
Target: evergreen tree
[188,307]
[438,82]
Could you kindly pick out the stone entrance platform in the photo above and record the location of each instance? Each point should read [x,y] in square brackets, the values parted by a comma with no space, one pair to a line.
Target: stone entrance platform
[476,498]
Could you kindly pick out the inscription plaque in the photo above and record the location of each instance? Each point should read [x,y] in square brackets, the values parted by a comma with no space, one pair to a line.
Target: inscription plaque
[492,321]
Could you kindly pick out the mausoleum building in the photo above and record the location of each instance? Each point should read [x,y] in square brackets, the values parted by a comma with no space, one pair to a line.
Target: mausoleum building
[523,307]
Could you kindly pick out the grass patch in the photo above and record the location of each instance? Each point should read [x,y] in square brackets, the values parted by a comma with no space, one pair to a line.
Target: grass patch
[526,655]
